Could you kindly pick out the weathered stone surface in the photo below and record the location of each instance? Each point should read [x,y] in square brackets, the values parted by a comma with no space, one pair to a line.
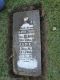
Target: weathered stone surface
[27,43]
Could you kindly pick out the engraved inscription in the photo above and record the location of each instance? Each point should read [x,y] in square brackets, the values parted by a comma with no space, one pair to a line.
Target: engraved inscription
[26,36]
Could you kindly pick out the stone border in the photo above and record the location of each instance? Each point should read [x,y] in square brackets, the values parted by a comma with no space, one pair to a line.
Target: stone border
[43,24]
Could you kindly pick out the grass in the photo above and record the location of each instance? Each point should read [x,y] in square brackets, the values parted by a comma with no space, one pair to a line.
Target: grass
[52,8]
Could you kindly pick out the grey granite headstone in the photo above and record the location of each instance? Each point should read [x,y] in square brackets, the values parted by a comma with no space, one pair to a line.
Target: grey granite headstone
[26,43]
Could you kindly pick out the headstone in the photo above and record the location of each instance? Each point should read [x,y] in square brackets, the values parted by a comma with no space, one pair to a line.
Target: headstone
[26,43]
